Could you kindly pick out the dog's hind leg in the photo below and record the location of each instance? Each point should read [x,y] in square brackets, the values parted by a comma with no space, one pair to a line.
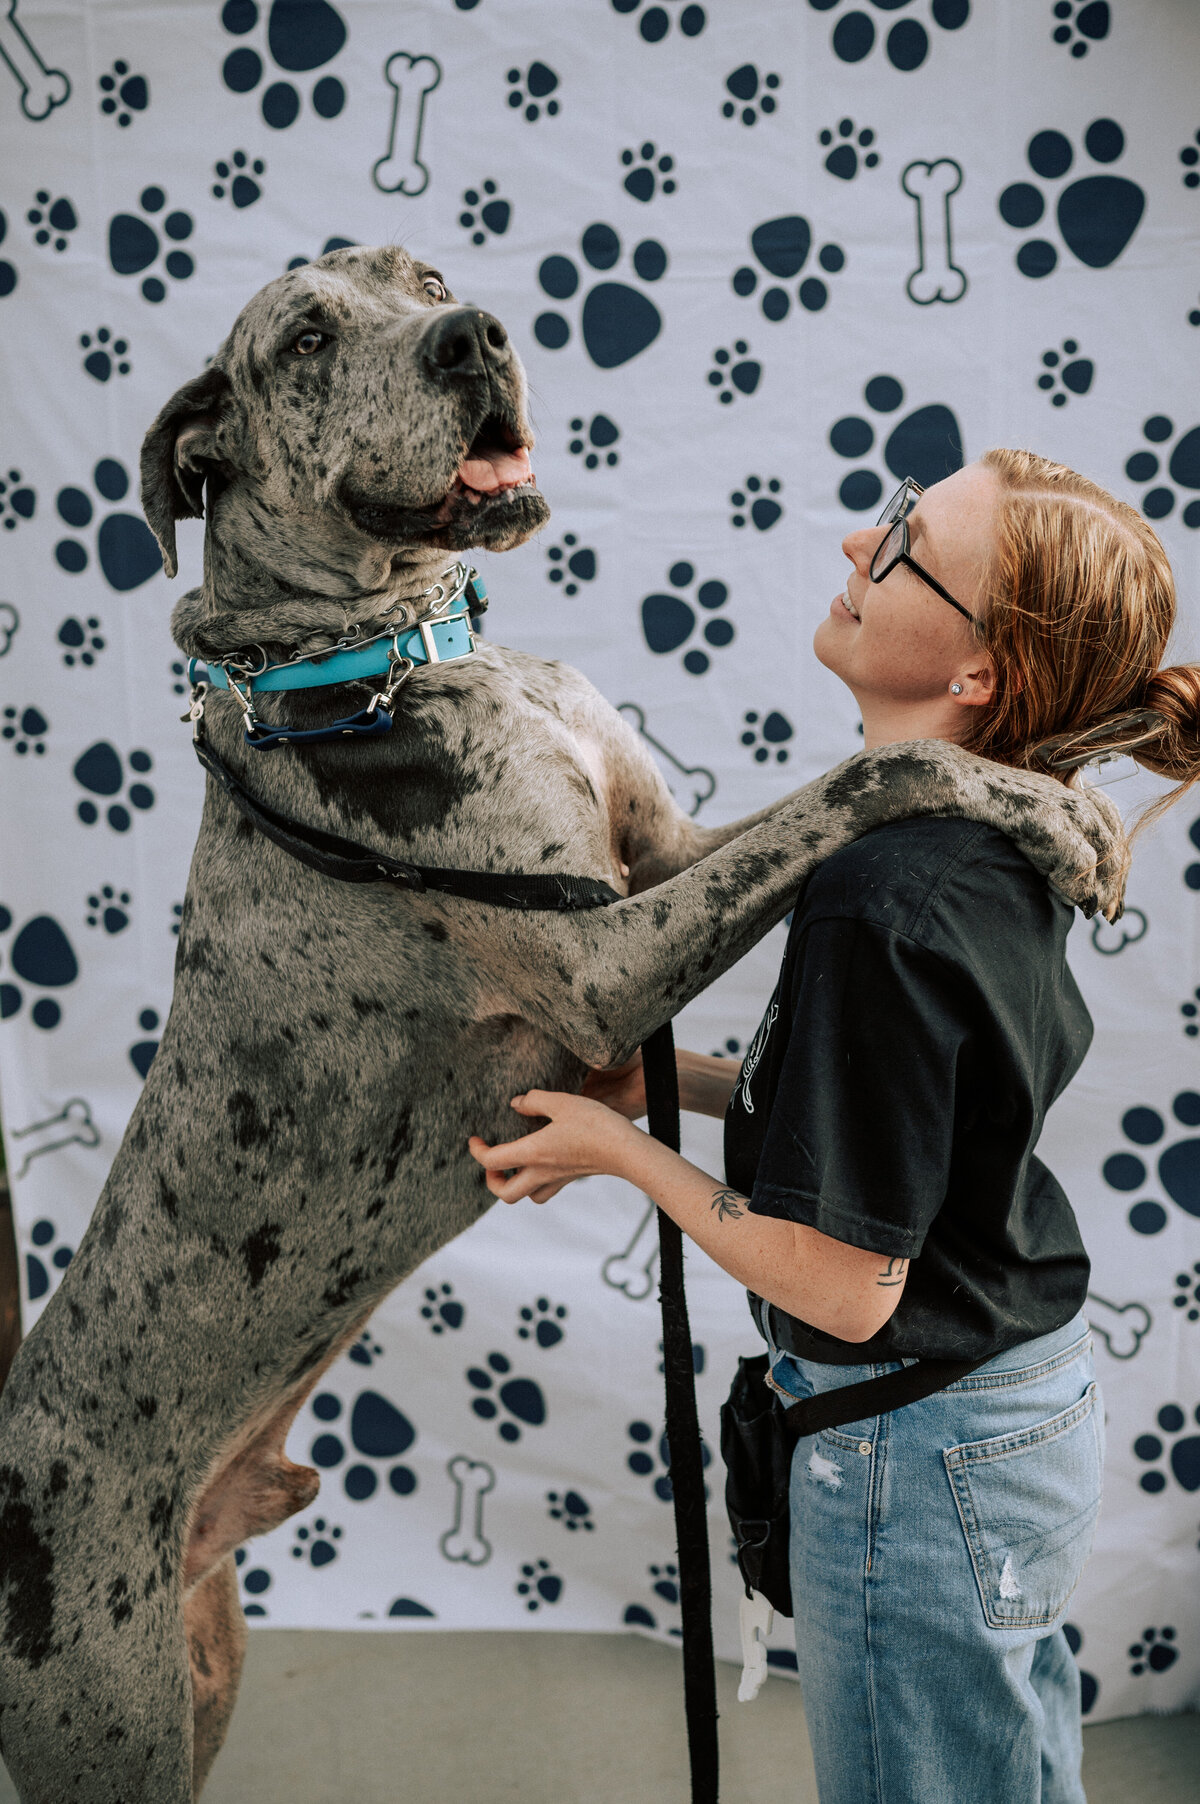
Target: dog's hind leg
[216,1638]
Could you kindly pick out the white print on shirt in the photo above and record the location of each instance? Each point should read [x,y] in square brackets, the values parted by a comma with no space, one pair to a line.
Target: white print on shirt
[757,1048]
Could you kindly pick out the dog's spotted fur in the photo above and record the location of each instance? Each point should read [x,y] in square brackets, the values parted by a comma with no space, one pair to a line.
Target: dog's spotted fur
[300,1143]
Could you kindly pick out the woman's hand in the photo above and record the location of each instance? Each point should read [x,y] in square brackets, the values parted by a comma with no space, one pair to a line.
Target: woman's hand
[583,1138]
[619,1087]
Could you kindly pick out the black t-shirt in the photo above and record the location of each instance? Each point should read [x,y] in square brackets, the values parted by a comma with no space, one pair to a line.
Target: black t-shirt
[924,1021]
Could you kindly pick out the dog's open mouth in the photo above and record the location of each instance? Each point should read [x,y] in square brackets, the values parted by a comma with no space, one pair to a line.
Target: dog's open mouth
[492,498]
[496,462]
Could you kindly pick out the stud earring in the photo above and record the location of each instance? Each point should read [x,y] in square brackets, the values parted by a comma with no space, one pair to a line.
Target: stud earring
[956,688]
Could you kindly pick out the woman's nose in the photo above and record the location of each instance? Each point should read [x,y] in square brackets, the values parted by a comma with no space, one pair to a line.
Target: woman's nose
[859,547]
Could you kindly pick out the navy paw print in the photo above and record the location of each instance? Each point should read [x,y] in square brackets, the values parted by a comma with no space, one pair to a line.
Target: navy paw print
[1155,1652]
[532,89]
[17,501]
[37,1278]
[176,918]
[538,1584]
[755,92]
[731,1049]
[649,173]
[25,730]
[767,734]
[41,955]
[8,274]
[753,502]
[907,43]
[668,621]
[728,377]
[10,620]
[141,1053]
[851,150]
[53,220]
[1187,1292]
[617,322]
[540,1322]
[126,548]
[926,444]
[1189,156]
[134,244]
[236,178]
[123,94]
[330,244]
[256,1582]
[1178,1164]
[100,771]
[1080,24]
[302,35]
[571,564]
[664,1584]
[655,22]
[366,1349]
[485,213]
[317,1544]
[1183,468]
[572,1510]
[642,1462]
[378,1430]
[442,1309]
[520,1397]
[782,247]
[82,641]
[1190,1010]
[1097,215]
[1058,376]
[106,355]
[108,908]
[1089,1685]
[1184,1456]
[592,441]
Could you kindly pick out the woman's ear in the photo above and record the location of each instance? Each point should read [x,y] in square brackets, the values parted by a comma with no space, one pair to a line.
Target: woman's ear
[976,687]
[179,450]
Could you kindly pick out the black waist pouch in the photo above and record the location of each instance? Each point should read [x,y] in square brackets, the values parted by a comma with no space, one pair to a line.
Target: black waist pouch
[758,1439]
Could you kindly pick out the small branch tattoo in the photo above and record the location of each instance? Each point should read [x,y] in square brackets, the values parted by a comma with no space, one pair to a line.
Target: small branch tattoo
[728,1205]
[894,1272]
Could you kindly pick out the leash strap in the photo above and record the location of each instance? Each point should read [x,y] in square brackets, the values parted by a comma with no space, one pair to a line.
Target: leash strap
[874,1396]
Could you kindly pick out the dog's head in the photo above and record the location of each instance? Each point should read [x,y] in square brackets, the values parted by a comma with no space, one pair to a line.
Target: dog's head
[356,413]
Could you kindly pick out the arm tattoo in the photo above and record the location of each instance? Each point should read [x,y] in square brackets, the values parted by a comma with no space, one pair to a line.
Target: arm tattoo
[894,1272]
[728,1204]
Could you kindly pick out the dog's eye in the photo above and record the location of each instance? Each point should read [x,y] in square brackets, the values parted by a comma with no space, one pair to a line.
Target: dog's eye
[309,343]
[435,288]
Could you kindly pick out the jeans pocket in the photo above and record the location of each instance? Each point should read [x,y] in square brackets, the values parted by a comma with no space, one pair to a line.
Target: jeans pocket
[1028,1503]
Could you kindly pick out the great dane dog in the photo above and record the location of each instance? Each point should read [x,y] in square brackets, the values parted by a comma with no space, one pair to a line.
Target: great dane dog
[300,1145]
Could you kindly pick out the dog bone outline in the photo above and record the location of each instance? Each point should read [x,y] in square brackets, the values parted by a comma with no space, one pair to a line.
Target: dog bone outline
[633,1270]
[45,93]
[936,182]
[635,715]
[84,1132]
[424,74]
[1107,1320]
[471,1478]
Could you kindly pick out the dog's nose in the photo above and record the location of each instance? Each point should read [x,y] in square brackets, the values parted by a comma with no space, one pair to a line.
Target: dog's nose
[466,343]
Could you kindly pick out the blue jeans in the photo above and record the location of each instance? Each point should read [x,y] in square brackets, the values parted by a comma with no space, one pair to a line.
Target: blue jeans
[933,1554]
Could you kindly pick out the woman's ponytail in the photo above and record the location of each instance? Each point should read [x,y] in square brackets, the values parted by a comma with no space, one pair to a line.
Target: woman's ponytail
[1174,692]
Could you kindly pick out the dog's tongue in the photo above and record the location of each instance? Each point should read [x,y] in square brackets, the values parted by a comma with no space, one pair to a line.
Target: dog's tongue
[499,470]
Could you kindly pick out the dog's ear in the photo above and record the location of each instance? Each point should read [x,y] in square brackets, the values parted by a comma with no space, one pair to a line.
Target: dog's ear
[179,450]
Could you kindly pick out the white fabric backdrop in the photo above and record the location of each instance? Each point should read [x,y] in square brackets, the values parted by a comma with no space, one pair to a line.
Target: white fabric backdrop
[716,405]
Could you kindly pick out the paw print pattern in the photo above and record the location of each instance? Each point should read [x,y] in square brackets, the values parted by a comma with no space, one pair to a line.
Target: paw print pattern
[1057,377]
[378,1430]
[729,1049]
[105,354]
[569,566]
[256,1580]
[520,1397]
[649,173]
[1089,1685]
[127,550]
[532,89]
[907,43]
[726,376]
[1190,1010]
[236,177]
[601,433]
[1184,1457]
[540,1322]
[668,620]
[82,641]
[134,244]
[782,247]
[123,94]
[538,1584]
[485,213]
[1189,156]
[302,35]
[1097,215]
[926,444]
[17,501]
[8,274]
[1155,1652]
[572,1510]
[366,1349]
[642,1462]
[10,620]
[655,22]
[37,1278]
[1187,1292]
[141,1053]
[99,770]
[766,732]
[1080,24]
[617,322]
[1178,1165]
[664,1583]
[1183,468]
[53,220]
[753,501]
[756,94]
[330,244]
[851,150]
[108,909]
[316,1544]
[41,955]
[442,1309]
[25,730]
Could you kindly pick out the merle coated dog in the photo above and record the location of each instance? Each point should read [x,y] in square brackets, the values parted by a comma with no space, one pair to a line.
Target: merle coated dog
[300,1145]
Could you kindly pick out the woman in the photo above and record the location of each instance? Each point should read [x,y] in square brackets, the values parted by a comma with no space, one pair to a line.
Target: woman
[882,1201]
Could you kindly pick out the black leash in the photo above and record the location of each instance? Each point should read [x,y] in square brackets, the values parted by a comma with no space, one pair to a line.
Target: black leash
[350,862]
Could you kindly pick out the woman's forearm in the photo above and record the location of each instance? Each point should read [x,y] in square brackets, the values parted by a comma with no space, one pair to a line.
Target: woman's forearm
[705,1082]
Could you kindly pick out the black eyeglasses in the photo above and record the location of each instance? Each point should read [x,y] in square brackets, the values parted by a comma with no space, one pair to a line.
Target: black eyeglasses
[894,549]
